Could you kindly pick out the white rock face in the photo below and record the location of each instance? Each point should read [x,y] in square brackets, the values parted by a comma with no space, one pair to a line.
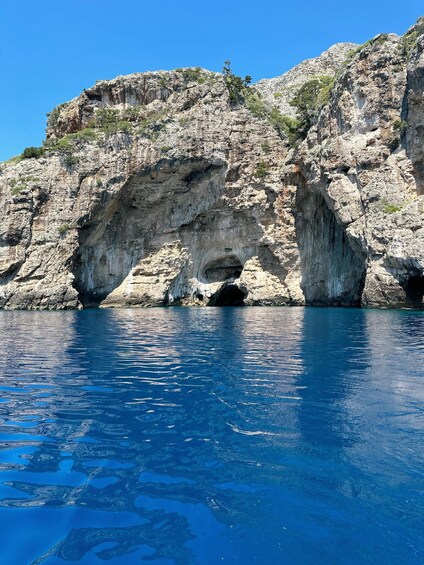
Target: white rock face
[364,159]
[156,189]
[279,91]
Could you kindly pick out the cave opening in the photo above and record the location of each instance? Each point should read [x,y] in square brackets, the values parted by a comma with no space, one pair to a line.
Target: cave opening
[333,269]
[125,225]
[414,290]
[223,269]
[103,260]
[229,295]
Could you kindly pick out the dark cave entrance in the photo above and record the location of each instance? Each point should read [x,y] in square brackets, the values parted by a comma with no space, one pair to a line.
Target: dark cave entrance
[229,295]
[414,291]
[333,271]
[223,269]
[226,270]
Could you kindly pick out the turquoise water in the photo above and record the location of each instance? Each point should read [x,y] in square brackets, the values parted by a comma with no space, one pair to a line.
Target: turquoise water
[218,435]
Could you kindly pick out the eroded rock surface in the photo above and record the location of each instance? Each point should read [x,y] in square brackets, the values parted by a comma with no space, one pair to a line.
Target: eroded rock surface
[160,189]
[279,91]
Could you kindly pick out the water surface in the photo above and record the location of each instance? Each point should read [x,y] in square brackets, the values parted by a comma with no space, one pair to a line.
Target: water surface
[221,435]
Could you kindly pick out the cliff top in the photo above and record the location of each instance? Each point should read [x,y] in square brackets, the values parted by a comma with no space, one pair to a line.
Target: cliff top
[280,90]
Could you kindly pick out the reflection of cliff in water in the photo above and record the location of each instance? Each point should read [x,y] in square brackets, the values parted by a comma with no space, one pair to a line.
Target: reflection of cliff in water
[394,394]
[183,433]
[331,372]
[142,425]
[89,440]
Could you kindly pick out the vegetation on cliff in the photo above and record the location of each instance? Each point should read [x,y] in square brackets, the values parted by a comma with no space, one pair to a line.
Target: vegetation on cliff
[309,100]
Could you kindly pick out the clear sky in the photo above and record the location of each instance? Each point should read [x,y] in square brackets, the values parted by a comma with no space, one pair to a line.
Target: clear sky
[50,50]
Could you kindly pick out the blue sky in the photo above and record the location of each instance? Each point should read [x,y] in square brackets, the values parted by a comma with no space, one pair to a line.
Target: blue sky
[50,50]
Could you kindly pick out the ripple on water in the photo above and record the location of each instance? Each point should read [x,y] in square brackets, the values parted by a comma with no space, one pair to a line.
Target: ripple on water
[243,435]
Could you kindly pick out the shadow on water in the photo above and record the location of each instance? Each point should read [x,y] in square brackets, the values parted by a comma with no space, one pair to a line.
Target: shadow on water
[194,435]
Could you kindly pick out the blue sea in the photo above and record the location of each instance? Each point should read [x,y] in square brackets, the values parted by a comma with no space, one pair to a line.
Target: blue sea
[212,435]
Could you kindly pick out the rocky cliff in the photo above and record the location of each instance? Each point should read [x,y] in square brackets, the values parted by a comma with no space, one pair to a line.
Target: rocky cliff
[191,187]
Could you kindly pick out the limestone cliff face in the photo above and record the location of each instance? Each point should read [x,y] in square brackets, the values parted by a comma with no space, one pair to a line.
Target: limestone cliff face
[279,91]
[162,188]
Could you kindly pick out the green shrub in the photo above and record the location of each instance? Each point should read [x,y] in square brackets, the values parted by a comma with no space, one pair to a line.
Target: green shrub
[352,53]
[150,126]
[192,74]
[66,144]
[309,100]
[391,208]
[123,126]
[32,153]
[12,161]
[131,113]
[63,145]
[261,170]
[63,229]
[70,160]
[397,68]
[18,188]
[20,184]
[109,120]
[183,122]
[255,104]
[236,86]
[197,74]
[286,126]
[86,134]
[399,129]
[379,40]
[409,40]
[106,116]
[408,43]
[400,126]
